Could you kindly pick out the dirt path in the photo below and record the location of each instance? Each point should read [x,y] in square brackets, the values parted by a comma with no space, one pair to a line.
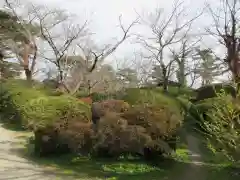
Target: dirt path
[14,167]
[195,169]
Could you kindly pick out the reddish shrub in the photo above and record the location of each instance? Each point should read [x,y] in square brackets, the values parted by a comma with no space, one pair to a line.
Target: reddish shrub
[160,121]
[118,106]
[87,100]
[115,137]
[78,136]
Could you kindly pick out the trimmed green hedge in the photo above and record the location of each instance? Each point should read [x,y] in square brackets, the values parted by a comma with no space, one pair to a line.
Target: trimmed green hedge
[136,96]
[28,104]
[14,94]
[45,111]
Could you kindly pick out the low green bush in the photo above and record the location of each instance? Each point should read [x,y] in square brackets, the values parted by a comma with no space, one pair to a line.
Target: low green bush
[45,111]
[148,96]
[212,90]
[222,122]
[50,117]
[218,120]
[14,94]
[98,97]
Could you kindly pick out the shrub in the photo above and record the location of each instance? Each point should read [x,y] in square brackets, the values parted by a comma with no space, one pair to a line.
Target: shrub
[212,90]
[53,118]
[97,97]
[45,111]
[149,96]
[218,120]
[14,94]
[100,108]
[143,130]
[50,84]
[81,94]
[55,92]
[87,100]
[78,136]
[114,137]
[160,121]
[47,142]
[222,124]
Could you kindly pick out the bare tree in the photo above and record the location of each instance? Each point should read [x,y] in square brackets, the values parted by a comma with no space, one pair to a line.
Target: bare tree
[50,21]
[185,63]
[92,55]
[26,48]
[143,68]
[225,28]
[166,33]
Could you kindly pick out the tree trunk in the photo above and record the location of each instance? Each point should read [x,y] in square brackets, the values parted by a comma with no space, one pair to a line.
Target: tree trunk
[28,72]
[235,69]
[165,79]
[165,85]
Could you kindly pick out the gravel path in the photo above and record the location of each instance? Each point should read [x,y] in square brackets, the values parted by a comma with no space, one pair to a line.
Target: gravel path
[195,169]
[14,167]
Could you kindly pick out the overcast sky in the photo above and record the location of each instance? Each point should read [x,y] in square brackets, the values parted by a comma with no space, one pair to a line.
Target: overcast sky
[103,16]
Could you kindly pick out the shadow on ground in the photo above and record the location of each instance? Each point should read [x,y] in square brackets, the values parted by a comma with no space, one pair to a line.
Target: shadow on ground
[87,168]
[84,168]
[12,126]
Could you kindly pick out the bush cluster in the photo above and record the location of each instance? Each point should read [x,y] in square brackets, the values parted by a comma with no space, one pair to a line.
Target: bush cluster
[222,124]
[217,119]
[142,130]
[62,124]
[14,95]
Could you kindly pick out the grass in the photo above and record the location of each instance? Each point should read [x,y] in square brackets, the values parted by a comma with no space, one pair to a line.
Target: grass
[87,168]
[132,169]
[218,167]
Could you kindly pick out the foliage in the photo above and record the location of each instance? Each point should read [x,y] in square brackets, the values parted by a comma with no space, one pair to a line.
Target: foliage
[150,96]
[223,124]
[68,125]
[217,119]
[212,90]
[14,95]
[159,120]
[50,84]
[11,27]
[78,136]
[31,102]
[111,105]
[61,120]
[208,68]
[181,92]
[98,97]
[143,130]
[9,69]
[114,137]
[46,111]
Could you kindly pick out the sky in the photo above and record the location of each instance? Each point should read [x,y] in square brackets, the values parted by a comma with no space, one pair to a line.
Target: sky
[103,14]
[103,17]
